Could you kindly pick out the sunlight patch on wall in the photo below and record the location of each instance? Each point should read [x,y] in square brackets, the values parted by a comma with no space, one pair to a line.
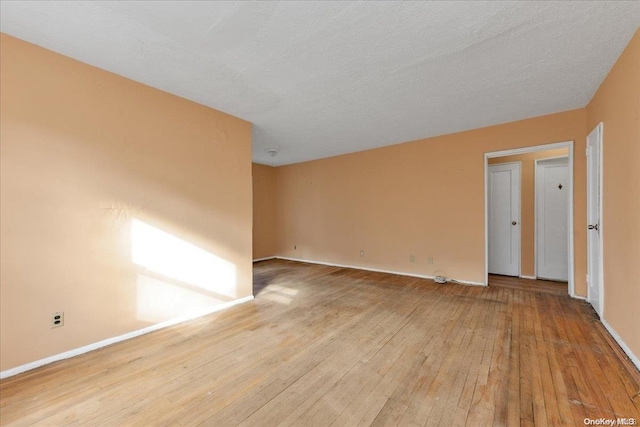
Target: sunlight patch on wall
[170,256]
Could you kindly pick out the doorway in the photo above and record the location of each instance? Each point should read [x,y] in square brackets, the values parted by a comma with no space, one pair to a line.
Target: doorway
[545,240]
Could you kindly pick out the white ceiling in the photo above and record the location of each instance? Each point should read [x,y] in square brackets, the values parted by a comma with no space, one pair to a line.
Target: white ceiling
[318,79]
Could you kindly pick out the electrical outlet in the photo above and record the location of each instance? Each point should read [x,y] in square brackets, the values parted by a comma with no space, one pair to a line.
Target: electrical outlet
[57,319]
[361,253]
[430,260]
[412,258]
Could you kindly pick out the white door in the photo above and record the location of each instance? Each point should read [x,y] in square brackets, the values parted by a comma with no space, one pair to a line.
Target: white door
[552,219]
[594,226]
[504,219]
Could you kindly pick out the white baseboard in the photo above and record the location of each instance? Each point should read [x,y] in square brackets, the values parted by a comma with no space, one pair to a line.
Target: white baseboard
[634,359]
[264,259]
[400,273]
[113,340]
[522,276]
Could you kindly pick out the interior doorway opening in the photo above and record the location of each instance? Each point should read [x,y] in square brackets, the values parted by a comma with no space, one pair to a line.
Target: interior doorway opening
[529,216]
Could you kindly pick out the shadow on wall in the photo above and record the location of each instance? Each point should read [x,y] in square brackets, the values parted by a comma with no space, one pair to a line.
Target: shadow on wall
[176,278]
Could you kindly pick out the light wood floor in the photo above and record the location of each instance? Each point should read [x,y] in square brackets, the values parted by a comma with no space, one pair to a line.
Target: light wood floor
[326,346]
[545,286]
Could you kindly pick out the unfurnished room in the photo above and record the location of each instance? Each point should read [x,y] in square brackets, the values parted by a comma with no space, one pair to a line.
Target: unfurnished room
[319,213]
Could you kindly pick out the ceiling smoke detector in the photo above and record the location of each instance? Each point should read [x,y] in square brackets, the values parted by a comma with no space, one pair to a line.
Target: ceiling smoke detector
[272,151]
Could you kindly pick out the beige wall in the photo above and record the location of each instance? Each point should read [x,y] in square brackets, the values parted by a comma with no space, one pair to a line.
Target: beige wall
[423,198]
[83,153]
[264,211]
[527,205]
[617,105]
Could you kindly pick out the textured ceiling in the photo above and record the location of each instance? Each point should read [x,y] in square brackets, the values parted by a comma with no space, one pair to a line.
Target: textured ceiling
[318,79]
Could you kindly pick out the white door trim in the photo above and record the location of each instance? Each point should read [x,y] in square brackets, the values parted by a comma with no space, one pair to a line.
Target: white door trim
[523,150]
[600,309]
[535,208]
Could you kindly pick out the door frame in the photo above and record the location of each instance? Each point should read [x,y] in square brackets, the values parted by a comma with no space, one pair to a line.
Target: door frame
[510,152]
[600,309]
[519,246]
[535,208]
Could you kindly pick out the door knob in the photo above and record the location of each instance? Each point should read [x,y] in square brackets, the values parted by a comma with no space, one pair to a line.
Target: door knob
[592,227]
[513,223]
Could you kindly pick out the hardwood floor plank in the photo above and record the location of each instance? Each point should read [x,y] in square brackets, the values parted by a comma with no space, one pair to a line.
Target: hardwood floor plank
[513,405]
[563,340]
[526,375]
[342,393]
[552,351]
[442,368]
[482,405]
[500,365]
